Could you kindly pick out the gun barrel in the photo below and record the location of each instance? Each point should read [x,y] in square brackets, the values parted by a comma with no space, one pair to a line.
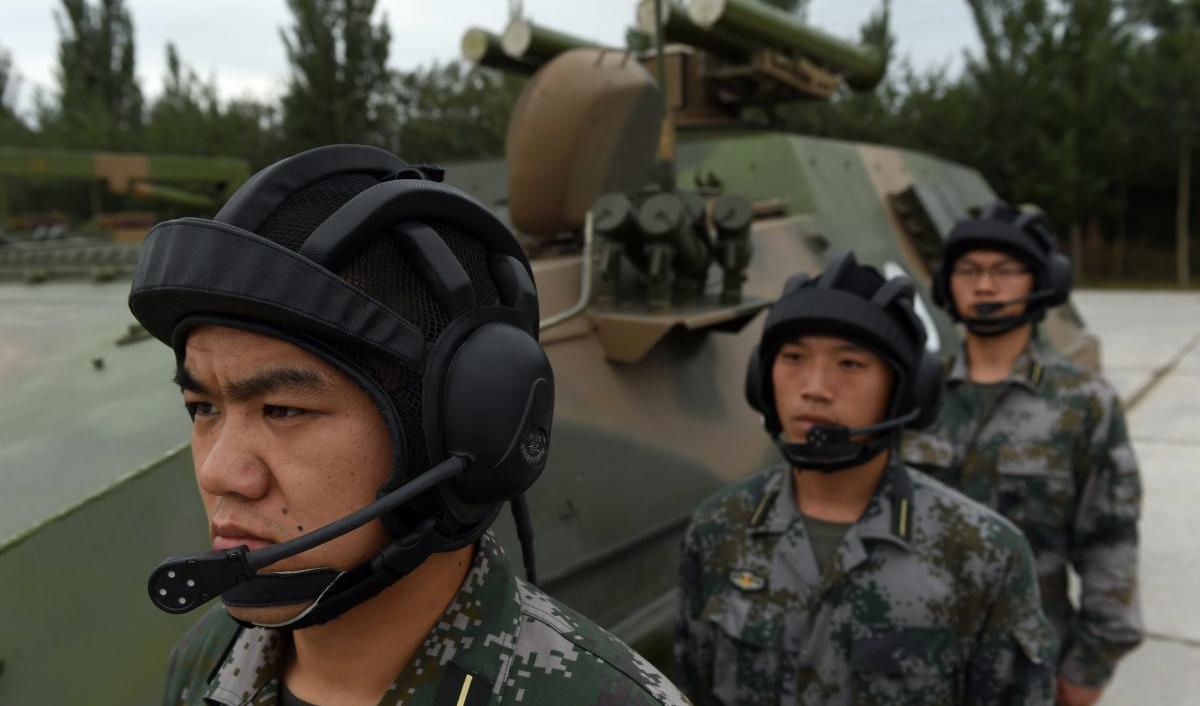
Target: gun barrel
[861,66]
[170,194]
[525,41]
[484,48]
[679,28]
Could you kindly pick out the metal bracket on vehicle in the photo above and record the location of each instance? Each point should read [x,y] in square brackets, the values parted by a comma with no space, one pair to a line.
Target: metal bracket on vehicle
[628,334]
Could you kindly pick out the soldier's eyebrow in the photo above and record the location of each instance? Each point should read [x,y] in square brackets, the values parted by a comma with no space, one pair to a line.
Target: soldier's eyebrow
[1004,260]
[188,382]
[264,382]
[260,383]
[849,347]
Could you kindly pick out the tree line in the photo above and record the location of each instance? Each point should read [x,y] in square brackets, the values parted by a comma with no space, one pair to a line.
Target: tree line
[1087,108]
[339,88]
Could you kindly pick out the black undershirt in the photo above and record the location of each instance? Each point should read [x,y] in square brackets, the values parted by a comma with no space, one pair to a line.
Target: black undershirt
[287,698]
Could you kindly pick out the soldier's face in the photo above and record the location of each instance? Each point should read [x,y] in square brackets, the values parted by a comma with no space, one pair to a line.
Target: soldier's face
[982,276]
[826,380]
[282,443]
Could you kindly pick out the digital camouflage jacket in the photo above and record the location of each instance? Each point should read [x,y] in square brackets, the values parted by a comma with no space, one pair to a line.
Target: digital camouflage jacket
[1053,456]
[931,599]
[500,641]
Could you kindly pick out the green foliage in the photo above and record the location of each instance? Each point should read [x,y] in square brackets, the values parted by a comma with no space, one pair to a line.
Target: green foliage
[453,112]
[877,31]
[189,118]
[6,83]
[12,130]
[98,102]
[338,88]
[1051,78]
[637,40]
[1164,70]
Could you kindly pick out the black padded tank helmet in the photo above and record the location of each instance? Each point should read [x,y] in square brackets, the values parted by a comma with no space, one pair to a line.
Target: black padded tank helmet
[1027,235]
[409,286]
[854,302]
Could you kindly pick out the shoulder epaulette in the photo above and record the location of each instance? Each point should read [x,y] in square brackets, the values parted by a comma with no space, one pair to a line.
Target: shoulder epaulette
[764,504]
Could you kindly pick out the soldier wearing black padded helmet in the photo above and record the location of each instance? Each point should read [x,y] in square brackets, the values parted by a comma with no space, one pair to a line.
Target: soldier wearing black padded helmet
[1036,437]
[338,328]
[841,576]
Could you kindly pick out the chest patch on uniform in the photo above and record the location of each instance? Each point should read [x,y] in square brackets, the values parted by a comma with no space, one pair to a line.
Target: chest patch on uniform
[747,580]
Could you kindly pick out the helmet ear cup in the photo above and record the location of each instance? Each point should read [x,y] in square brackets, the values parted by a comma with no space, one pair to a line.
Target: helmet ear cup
[497,403]
[941,285]
[759,393]
[1060,277]
[754,381]
[926,390]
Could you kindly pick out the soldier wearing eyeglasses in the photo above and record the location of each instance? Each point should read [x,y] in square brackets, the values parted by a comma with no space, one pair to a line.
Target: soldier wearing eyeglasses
[1027,432]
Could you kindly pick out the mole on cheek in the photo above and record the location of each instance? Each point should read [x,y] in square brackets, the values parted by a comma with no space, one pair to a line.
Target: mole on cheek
[285,510]
[300,527]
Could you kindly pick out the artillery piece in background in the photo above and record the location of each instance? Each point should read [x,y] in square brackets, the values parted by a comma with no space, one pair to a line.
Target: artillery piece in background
[649,355]
[107,246]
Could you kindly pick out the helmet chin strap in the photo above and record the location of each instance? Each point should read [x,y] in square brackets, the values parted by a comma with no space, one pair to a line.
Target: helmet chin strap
[988,327]
[330,592]
[829,448]
[986,324]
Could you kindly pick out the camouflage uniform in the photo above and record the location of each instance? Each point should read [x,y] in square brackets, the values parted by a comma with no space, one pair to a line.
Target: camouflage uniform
[1054,457]
[931,599]
[501,641]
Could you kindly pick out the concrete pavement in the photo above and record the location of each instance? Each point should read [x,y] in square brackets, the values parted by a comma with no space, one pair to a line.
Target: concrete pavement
[1151,353]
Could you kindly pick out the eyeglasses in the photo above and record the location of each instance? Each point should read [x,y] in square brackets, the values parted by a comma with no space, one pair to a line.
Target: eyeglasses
[1005,271]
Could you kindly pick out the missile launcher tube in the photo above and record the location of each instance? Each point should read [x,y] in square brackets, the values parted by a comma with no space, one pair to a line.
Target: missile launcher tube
[484,48]
[525,41]
[861,66]
[679,28]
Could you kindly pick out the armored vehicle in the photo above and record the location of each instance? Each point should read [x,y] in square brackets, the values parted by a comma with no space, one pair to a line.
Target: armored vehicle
[660,224]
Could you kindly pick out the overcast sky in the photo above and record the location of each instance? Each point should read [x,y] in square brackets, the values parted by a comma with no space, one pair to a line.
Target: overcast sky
[237,41]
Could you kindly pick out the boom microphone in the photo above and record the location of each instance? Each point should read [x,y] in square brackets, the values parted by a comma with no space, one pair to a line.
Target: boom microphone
[831,444]
[183,583]
[834,435]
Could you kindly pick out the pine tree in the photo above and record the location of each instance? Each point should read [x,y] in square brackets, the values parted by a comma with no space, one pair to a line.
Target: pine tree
[98,102]
[338,90]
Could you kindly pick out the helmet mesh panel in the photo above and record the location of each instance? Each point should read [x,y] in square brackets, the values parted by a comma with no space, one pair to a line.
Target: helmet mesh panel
[381,271]
[473,258]
[298,216]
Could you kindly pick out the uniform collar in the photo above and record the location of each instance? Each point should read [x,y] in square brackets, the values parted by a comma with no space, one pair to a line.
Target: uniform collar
[485,612]
[1027,371]
[888,515]
[485,609]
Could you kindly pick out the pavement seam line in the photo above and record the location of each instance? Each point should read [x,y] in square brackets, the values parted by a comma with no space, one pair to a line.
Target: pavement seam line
[1162,372]
[1187,641]
[1162,441]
